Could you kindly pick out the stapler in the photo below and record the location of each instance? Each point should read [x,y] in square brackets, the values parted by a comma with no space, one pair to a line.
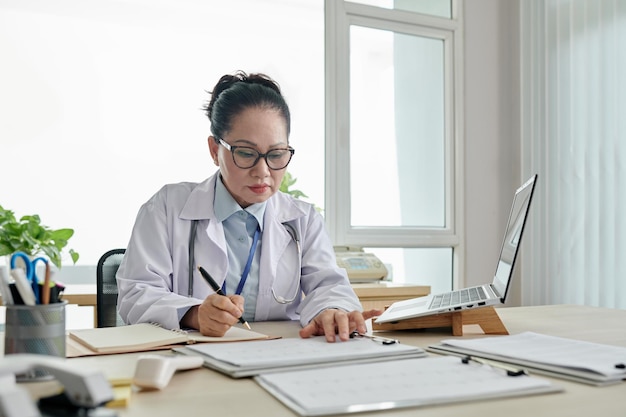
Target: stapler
[82,389]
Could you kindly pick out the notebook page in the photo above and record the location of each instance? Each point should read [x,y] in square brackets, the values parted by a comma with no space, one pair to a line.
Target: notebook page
[234,334]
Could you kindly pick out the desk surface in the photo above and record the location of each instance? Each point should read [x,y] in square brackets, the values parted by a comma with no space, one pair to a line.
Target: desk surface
[208,392]
[85,294]
[81,294]
[389,289]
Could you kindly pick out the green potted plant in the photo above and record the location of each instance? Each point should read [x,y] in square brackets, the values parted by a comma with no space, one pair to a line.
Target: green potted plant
[28,235]
[285,187]
[287,182]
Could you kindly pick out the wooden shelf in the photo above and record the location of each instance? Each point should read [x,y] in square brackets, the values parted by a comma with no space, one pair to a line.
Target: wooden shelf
[382,294]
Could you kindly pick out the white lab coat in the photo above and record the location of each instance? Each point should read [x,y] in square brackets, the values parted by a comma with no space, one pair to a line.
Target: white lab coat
[153,279]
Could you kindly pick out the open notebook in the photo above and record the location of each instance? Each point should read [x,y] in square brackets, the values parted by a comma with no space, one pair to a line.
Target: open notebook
[146,336]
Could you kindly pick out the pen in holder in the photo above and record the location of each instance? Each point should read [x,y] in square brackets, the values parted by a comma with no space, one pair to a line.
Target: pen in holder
[37,329]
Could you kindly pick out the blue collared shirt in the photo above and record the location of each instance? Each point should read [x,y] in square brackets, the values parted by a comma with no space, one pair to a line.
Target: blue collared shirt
[239,228]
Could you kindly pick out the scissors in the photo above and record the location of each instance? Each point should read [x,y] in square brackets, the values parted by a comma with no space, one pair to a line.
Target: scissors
[27,281]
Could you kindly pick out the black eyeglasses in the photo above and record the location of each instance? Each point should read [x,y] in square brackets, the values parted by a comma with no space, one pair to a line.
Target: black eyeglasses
[245,157]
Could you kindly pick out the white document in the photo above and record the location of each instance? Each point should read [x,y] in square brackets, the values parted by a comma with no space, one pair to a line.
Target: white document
[395,384]
[255,357]
[582,361]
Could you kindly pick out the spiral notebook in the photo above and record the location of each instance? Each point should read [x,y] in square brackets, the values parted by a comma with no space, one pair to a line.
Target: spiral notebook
[147,336]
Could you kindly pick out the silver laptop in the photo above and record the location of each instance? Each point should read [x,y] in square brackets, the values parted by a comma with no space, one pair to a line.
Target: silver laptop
[483,295]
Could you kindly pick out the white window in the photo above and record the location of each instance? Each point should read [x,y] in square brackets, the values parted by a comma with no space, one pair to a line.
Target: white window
[393,138]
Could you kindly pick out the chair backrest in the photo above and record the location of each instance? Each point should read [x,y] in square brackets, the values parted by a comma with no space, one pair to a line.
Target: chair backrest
[106,295]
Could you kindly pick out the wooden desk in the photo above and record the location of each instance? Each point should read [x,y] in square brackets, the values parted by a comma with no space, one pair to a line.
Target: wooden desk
[83,295]
[381,294]
[80,294]
[372,295]
[203,391]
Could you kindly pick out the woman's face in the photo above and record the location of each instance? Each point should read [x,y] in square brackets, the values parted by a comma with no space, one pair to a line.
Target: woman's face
[262,130]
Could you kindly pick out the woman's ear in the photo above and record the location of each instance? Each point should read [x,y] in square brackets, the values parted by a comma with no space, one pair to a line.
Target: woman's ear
[213,147]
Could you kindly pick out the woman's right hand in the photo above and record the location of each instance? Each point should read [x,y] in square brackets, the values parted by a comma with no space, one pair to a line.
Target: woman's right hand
[215,315]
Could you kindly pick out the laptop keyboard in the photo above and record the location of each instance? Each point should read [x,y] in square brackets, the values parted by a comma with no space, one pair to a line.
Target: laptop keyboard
[465,295]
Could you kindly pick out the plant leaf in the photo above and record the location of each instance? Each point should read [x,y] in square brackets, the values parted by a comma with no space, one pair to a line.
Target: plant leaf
[31,237]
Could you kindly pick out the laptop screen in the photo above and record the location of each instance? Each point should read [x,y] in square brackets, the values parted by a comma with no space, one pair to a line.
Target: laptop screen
[513,237]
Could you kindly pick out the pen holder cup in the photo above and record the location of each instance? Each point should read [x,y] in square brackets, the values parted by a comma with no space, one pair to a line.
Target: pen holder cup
[37,329]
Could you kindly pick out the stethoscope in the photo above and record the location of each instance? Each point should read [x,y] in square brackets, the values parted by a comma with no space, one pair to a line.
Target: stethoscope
[278,298]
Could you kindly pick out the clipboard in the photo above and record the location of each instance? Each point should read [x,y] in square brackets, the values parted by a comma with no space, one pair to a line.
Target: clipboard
[404,383]
[576,360]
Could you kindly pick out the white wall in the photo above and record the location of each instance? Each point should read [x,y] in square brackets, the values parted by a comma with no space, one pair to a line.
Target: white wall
[100,104]
[492,139]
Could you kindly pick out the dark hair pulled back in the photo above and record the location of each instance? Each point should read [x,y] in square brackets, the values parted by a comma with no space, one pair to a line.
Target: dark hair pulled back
[238,92]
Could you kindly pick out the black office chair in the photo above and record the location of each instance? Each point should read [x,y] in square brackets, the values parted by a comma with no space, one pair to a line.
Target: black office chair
[106,295]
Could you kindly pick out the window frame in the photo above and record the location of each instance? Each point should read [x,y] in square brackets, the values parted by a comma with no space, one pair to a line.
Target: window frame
[339,16]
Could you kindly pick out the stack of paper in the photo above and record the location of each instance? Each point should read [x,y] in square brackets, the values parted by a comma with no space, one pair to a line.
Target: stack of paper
[256,357]
[591,363]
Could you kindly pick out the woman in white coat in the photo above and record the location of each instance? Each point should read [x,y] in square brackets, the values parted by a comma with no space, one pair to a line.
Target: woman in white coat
[269,252]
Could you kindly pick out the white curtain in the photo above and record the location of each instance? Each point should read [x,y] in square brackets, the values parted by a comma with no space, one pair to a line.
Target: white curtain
[573,55]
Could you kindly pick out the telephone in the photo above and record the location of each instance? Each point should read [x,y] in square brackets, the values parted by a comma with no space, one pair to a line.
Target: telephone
[84,390]
[361,266]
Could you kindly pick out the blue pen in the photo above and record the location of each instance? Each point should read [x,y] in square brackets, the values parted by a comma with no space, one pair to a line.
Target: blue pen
[218,290]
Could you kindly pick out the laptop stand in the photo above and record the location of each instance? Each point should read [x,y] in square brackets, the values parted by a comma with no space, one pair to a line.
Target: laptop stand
[487,318]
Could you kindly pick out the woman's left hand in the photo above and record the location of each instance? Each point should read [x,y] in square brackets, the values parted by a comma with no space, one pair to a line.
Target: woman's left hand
[332,321]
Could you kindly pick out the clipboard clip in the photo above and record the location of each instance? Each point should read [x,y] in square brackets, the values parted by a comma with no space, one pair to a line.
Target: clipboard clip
[379,339]
[510,371]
